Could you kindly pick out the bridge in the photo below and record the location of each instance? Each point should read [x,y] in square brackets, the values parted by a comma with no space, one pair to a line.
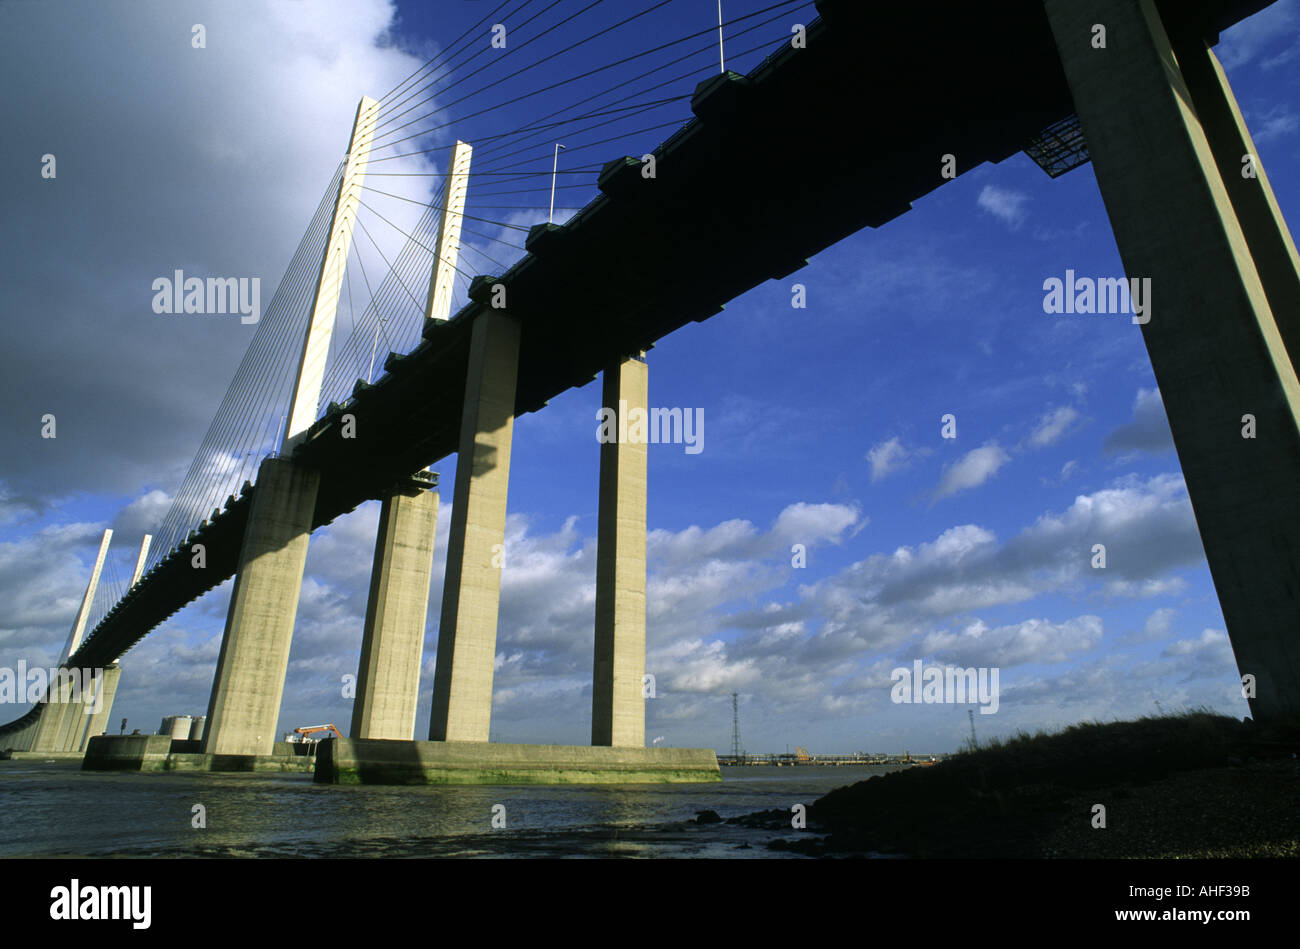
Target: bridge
[730,200]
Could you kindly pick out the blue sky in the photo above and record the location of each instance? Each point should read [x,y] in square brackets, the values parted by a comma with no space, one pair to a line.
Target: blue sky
[822,426]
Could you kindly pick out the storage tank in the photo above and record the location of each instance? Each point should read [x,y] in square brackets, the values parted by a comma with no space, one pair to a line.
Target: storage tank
[181,727]
[166,727]
[196,729]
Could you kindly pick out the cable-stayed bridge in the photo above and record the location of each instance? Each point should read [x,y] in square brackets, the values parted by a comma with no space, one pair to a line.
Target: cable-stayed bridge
[834,131]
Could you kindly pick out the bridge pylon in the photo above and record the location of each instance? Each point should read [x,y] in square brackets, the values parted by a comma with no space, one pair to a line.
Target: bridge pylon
[1192,210]
[249,681]
[392,644]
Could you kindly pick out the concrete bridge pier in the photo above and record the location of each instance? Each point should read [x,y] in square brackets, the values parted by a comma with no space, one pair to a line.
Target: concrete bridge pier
[462,686]
[388,677]
[21,739]
[76,714]
[62,711]
[1167,145]
[106,682]
[249,680]
[106,686]
[1271,246]
[617,695]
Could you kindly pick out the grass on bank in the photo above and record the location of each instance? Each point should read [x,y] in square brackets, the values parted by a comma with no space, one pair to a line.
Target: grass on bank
[1189,784]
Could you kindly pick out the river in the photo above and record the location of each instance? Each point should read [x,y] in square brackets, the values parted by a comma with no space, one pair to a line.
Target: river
[55,809]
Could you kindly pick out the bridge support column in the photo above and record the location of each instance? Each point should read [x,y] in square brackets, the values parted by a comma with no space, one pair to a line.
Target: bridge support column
[1215,345]
[249,681]
[106,686]
[467,634]
[78,712]
[62,711]
[388,678]
[1271,247]
[21,739]
[617,698]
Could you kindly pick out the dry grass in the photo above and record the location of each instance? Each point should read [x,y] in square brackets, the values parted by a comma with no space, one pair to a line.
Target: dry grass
[1195,783]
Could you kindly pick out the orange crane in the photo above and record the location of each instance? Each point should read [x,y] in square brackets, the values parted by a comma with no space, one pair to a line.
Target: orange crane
[313,729]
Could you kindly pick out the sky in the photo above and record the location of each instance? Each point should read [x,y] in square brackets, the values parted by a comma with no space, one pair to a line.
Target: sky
[823,425]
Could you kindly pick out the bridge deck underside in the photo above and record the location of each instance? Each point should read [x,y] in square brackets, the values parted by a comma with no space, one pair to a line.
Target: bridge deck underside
[817,144]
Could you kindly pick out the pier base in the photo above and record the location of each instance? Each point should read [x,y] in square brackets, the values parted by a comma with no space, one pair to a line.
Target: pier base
[377,761]
[160,753]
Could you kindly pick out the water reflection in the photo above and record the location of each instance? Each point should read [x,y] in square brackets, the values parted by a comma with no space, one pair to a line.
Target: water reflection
[289,816]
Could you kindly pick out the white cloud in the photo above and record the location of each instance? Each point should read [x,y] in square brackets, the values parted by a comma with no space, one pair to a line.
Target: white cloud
[1276,123]
[1149,430]
[1158,626]
[1003,203]
[971,470]
[1243,41]
[888,457]
[144,514]
[227,151]
[807,524]
[1031,641]
[1209,639]
[1053,425]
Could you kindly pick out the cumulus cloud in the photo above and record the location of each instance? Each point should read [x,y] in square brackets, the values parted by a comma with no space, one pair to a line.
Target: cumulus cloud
[1031,641]
[888,457]
[225,153]
[1158,626]
[1149,430]
[888,598]
[44,576]
[144,514]
[722,615]
[971,470]
[1205,656]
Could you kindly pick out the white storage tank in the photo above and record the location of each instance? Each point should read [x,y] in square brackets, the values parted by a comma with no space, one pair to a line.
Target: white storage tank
[196,729]
[180,727]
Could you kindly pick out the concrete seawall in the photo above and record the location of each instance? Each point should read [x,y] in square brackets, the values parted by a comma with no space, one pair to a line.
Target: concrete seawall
[380,761]
[163,753]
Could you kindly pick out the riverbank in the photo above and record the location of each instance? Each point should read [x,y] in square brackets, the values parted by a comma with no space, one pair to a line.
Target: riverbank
[1190,785]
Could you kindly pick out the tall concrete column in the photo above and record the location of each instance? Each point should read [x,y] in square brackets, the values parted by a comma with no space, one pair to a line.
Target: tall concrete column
[61,710]
[334,262]
[106,685]
[467,634]
[19,740]
[388,678]
[617,699]
[83,614]
[249,681]
[1214,342]
[1269,241]
[78,712]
